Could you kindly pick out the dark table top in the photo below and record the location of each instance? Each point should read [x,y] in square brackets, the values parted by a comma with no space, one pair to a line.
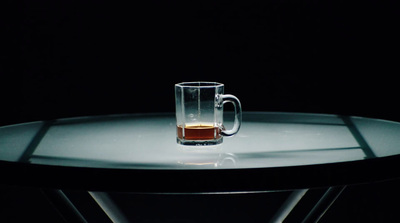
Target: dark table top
[139,153]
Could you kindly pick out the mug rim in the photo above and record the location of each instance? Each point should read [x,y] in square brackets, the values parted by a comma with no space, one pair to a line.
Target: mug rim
[199,84]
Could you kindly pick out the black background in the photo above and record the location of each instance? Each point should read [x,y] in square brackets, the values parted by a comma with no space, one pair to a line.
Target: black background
[73,58]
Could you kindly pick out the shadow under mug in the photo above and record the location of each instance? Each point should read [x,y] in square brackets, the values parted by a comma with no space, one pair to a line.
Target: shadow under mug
[199,113]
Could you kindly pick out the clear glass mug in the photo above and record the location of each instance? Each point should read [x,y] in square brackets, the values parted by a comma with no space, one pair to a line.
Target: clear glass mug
[199,113]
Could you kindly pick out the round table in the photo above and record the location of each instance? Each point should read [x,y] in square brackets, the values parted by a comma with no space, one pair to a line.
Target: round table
[138,153]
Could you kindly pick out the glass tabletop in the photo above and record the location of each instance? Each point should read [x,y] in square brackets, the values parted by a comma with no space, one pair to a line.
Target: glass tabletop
[148,142]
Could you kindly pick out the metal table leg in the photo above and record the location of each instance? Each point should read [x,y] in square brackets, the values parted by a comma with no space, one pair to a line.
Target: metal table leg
[288,206]
[323,204]
[77,206]
[64,206]
[109,207]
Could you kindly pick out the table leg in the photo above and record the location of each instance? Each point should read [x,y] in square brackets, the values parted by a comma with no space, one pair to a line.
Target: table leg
[323,204]
[77,206]
[288,205]
[109,207]
[64,206]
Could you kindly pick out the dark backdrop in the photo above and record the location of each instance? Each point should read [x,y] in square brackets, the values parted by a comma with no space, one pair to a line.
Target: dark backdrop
[72,58]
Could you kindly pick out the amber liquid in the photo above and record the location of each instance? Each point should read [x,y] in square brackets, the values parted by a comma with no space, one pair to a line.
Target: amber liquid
[199,132]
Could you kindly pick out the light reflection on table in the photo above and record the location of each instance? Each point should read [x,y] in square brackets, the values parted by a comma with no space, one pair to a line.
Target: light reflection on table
[149,142]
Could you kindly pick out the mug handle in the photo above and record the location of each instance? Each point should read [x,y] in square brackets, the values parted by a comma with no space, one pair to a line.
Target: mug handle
[221,100]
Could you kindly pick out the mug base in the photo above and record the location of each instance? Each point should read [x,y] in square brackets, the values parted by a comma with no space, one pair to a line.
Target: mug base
[199,142]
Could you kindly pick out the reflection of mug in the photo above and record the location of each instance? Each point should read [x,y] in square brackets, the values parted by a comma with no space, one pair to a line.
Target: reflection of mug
[199,113]
[209,161]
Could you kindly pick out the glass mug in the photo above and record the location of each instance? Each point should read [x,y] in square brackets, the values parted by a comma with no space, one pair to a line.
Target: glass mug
[199,113]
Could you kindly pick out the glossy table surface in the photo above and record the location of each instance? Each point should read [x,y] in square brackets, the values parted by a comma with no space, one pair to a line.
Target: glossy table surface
[272,151]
